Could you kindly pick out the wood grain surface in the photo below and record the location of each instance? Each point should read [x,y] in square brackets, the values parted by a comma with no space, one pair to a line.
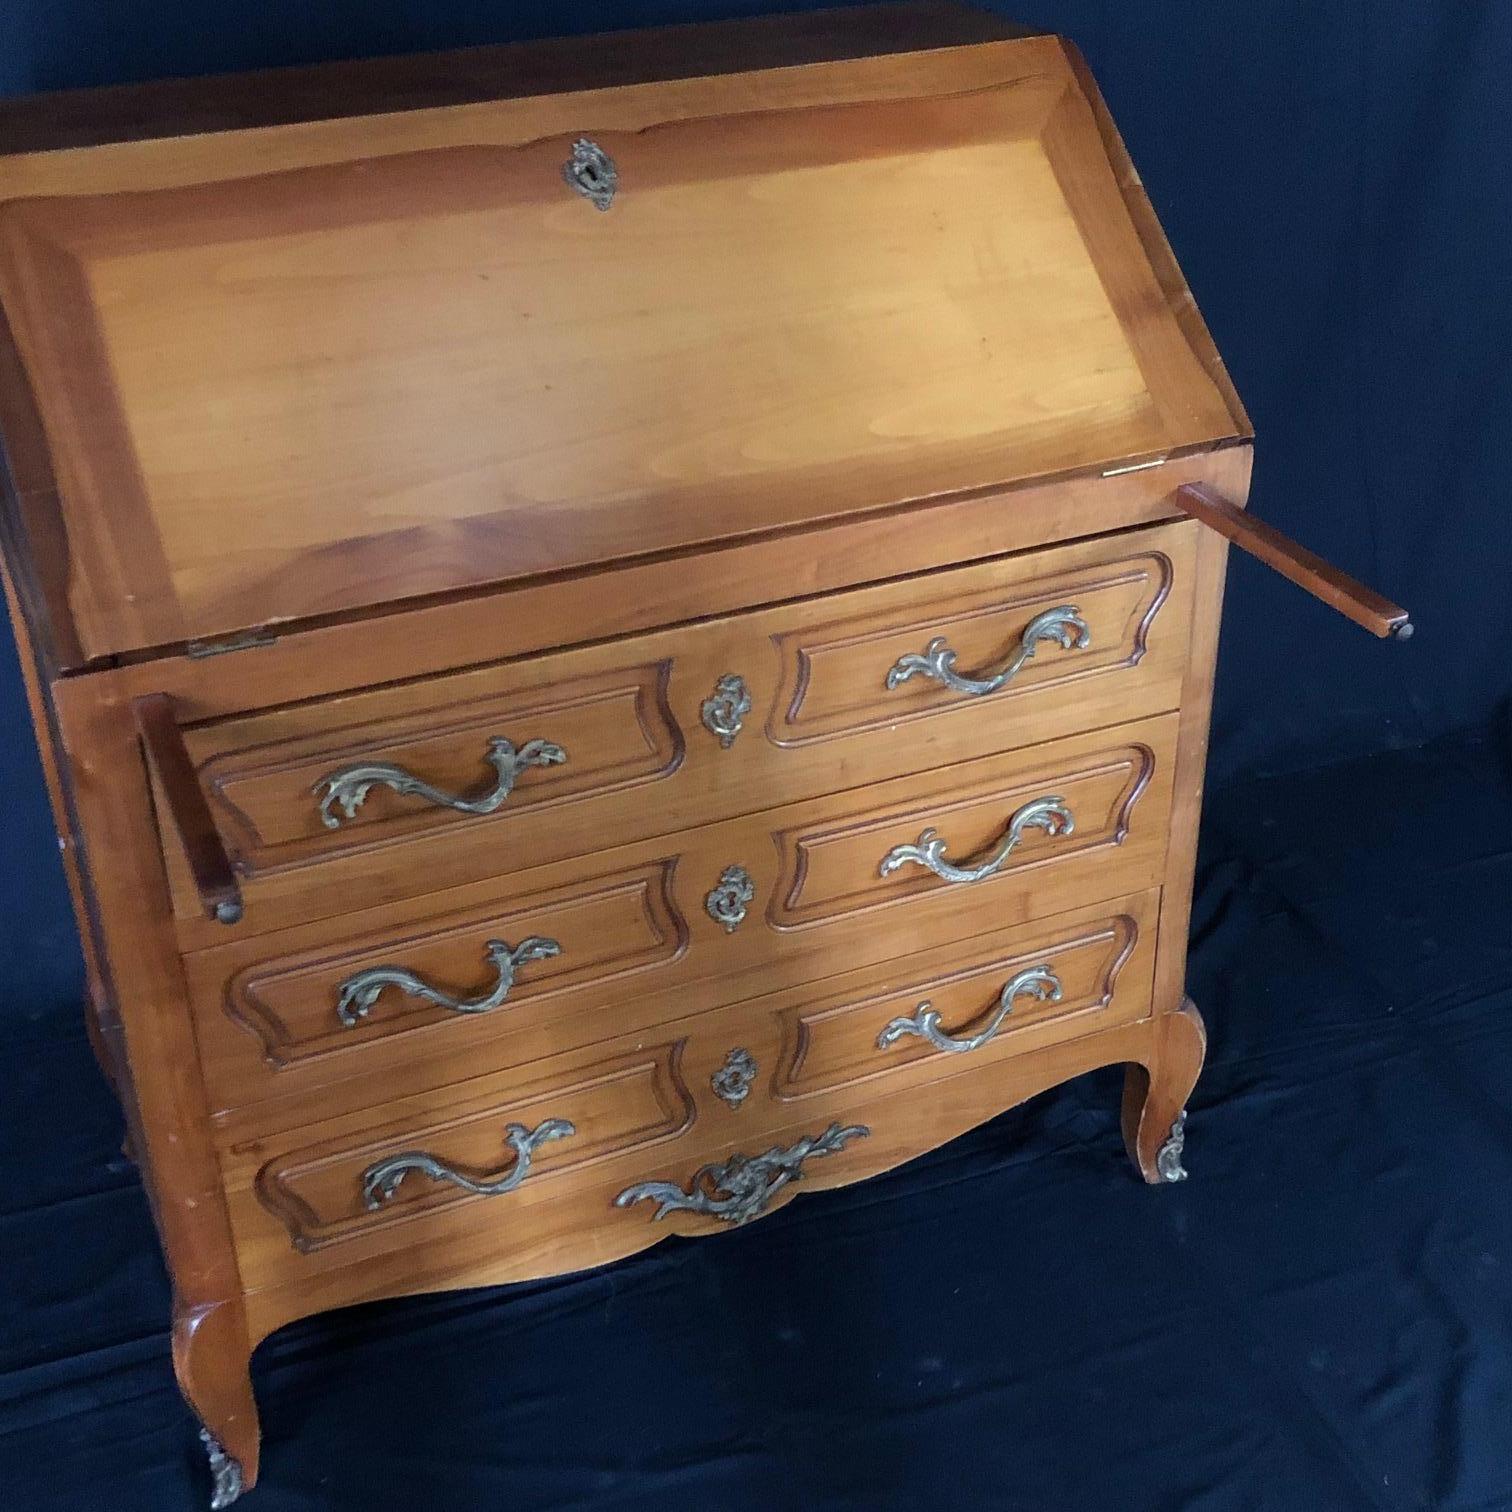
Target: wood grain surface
[868,354]
[643,1105]
[638,944]
[640,759]
[235,443]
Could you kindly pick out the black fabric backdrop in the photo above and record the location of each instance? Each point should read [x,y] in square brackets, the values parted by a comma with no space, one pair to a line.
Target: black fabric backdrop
[1322,1317]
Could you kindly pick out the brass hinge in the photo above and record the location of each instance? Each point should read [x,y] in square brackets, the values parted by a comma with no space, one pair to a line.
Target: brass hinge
[248,640]
[1118,472]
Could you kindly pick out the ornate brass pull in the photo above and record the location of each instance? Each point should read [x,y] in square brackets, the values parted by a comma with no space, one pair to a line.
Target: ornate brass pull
[347,787]
[1048,814]
[740,1188]
[924,1022]
[381,1181]
[1064,625]
[358,993]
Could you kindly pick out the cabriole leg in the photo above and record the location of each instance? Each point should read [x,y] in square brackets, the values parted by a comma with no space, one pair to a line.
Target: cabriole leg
[212,1360]
[1156,1093]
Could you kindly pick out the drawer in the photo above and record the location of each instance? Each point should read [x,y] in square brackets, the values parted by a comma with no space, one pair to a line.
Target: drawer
[339,803]
[968,1004]
[545,1127]
[573,954]
[557,1142]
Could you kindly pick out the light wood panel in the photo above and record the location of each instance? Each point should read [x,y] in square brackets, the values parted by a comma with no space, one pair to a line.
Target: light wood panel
[645,1105]
[639,757]
[607,712]
[623,1102]
[511,107]
[578,1233]
[127,916]
[1100,961]
[638,943]
[1209,572]
[988,336]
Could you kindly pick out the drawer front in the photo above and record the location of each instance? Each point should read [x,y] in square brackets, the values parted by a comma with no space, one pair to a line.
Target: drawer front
[421,1160]
[990,648]
[400,791]
[303,1006]
[285,801]
[968,1005]
[573,954]
[521,1159]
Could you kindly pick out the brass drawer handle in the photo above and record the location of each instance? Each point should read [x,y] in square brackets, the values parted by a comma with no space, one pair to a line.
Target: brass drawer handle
[1048,814]
[1064,625]
[740,1188]
[360,991]
[924,1022]
[381,1181]
[347,787]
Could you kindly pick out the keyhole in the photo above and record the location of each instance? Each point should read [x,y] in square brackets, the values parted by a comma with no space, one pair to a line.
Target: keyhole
[591,172]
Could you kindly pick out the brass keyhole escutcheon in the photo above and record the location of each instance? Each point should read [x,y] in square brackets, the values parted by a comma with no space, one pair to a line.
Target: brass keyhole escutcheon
[591,172]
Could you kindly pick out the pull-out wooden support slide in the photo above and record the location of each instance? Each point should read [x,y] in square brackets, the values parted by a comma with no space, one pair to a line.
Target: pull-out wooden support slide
[1324,581]
[167,755]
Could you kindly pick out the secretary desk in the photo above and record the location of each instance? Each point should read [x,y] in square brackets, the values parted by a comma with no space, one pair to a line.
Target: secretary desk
[620,628]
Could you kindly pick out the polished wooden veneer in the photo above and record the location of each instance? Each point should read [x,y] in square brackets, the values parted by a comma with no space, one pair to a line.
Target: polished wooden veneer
[629,719]
[541,772]
[168,316]
[635,1111]
[633,928]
